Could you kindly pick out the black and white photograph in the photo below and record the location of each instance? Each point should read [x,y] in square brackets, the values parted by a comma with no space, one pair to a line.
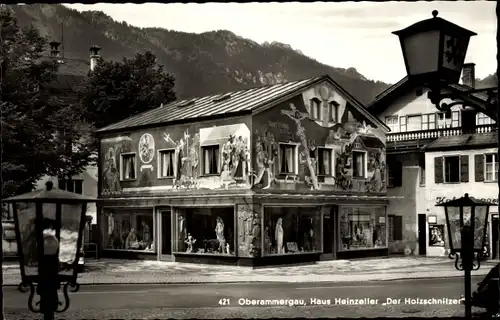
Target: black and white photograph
[250,160]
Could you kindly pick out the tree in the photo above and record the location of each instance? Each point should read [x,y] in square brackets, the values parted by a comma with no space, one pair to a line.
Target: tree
[118,90]
[38,128]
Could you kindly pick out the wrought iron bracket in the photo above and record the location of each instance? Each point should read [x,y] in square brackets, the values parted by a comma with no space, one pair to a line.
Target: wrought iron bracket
[459,265]
[460,98]
[35,306]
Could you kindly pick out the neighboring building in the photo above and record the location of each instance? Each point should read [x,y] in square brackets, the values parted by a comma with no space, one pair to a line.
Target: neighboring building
[433,157]
[276,174]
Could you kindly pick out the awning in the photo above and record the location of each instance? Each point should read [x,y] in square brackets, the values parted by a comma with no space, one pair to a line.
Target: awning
[221,134]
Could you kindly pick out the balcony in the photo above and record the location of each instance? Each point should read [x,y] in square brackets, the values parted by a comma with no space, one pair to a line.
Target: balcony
[436,133]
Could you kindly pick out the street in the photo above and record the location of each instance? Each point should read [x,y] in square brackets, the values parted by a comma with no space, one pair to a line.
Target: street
[145,301]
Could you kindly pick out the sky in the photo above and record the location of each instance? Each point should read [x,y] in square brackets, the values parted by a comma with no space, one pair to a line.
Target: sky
[343,35]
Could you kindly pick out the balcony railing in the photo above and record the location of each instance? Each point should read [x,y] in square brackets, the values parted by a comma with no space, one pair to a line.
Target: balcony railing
[436,133]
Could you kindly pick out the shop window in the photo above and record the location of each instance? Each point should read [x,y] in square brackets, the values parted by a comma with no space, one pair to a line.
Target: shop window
[315,108]
[211,160]
[287,158]
[395,228]
[429,121]
[452,169]
[125,229]
[392,123]
[71,185]
[333,111]
[292,230]
[362,227]
[325,161]
[128,166]
[166,163]
[205,230]
[490,167]
[359,159]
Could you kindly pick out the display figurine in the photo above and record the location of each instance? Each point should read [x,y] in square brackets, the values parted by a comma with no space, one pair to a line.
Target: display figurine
[190,241]
[219,232]
[278,236]
[228,248]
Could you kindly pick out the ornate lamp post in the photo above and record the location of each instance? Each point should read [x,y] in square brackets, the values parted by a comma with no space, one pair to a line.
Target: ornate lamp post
[49,227]
[467,221]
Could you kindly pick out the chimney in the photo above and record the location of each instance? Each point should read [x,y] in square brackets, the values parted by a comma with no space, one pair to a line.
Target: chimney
[54,49]
[469,75]
[94,55]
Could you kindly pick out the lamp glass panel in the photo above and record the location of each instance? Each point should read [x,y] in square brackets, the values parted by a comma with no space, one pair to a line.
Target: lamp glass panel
[479,225]
[26,215]
[70,226]
[49,228]
[467,211]
[422,52]
[454,225]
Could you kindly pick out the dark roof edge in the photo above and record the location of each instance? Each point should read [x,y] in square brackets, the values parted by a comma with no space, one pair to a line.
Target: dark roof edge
[460,147]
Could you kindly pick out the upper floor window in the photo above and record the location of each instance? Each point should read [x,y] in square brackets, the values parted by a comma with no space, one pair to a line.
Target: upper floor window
[359,163]
[211,160]
[128,166]
[287,158]
[448,119]
[429,121]
[315,109]
[394,173]
[482,119]
[166,163]
[325,161]
[490,167]
[392,123]
[421,165]
[451,169]
[71,185]
[333,111]
[414,123]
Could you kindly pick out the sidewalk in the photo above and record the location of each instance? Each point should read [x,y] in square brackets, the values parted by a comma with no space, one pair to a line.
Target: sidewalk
[107,271]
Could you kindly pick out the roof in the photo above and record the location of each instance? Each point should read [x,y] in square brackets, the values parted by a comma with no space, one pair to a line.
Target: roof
[248,100]
[70,73]
[464,141]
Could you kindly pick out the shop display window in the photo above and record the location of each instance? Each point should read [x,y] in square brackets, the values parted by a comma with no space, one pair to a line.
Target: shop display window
[128,229]
[362,227]
[205,230]
[292,230]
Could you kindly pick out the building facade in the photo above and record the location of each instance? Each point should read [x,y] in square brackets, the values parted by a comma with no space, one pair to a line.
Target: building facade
[432,157]
[277,174]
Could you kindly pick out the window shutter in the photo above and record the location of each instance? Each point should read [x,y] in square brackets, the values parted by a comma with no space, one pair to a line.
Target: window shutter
[464,168]
[479,167]
[438,170]
[398,228]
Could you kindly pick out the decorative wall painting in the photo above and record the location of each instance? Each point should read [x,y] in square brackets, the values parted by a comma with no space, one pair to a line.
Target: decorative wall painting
[146,151]
[111,149]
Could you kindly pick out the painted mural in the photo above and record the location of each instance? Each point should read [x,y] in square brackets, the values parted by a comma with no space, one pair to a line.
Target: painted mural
[146,151]
[249,224]
[343,131]
[186,159]
[111,149]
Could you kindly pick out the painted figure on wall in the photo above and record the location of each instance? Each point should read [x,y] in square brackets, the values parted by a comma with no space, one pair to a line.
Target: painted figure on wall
[235,156]
[376,170]
[186,159]
[266,150]
[112,148]
[249,234]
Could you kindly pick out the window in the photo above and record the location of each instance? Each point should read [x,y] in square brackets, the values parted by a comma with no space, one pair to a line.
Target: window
[70,185]
[392,122]
[287,158]
[422,176]
[315,108]
[414,123]
[394,173]
[128,166]
[333,111]
[452,169]
[429,121]
[358,169]
[166,163]
[126,229]
[211,160]
[362,227]
[395,228]
[483,119]
[455,119]
[490,167]
[292,230]
[205,230]
[448,119]
[402,124]
[325,163]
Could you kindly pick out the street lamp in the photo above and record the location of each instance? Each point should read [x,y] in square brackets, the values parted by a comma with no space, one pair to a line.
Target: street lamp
[434,52]
[467,220]
[49,226]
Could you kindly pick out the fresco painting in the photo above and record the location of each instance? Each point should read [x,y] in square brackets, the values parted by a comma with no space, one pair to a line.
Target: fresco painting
[266,151]
[249,230]
[186,160]
[111,149]
[146,151]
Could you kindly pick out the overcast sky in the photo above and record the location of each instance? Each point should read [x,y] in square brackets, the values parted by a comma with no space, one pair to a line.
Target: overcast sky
[338,34]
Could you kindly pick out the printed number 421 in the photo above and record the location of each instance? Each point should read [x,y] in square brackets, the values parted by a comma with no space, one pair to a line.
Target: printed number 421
[224,302]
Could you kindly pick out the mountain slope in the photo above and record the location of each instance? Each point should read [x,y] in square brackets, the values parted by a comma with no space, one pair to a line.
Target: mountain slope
[203,64]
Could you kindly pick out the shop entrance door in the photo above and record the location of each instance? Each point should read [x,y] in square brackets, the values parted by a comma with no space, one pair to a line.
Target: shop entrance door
[494,238]
[422,234]
[327,235]
[166,235]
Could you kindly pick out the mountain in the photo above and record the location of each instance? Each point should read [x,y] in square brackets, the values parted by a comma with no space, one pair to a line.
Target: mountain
[203,64]
[489,81]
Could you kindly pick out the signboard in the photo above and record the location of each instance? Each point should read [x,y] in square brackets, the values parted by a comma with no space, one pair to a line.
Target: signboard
[440,200]
[436,235]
